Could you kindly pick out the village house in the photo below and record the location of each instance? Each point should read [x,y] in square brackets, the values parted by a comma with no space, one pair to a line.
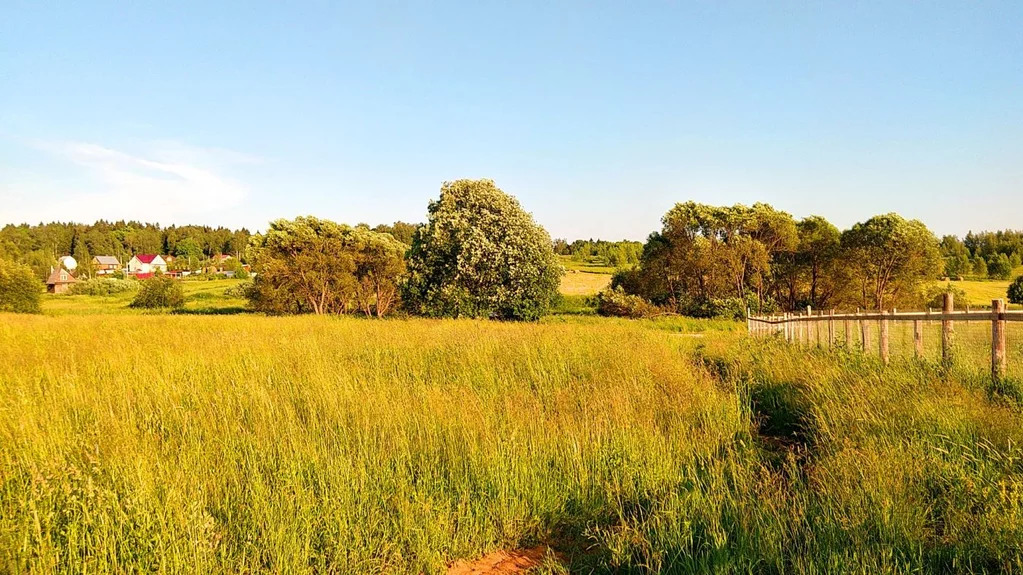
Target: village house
[59,281]
[106,265]
[146,264]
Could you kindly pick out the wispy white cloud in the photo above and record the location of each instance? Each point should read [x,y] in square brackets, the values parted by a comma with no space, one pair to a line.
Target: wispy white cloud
[168,182]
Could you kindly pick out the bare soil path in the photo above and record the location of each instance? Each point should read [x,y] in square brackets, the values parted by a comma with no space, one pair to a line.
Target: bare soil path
[501,562]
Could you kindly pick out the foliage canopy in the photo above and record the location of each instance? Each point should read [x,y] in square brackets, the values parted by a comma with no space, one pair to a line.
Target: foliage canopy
[310,265]
[19,288]
[159,292]
[481,255]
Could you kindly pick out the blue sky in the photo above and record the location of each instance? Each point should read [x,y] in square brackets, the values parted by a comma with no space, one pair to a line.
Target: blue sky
[597,116]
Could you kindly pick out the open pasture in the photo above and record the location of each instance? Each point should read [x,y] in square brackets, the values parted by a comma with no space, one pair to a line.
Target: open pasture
[179,443]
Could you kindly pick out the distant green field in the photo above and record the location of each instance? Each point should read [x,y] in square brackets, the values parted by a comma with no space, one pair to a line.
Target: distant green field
[981,292]
[589,265]
[201,297]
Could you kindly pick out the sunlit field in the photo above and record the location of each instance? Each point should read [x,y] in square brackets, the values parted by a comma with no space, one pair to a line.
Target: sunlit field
[981,293]
[197,444]
[201,297]
[583,283]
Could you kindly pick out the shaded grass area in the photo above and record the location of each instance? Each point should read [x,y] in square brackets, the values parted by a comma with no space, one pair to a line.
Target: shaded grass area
[310,444]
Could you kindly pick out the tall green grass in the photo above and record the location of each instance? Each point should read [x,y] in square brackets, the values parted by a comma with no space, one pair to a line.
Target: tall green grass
[195,444]
[308,445]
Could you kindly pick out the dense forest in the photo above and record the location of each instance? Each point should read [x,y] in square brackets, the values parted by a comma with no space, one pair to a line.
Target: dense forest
[39,246]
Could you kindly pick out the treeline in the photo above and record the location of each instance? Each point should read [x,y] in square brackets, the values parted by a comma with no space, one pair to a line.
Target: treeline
[619,254]
[713,260]
[992,255]
[40,246]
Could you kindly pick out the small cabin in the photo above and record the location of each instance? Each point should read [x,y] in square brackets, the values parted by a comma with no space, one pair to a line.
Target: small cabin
[60,281]
[105,265]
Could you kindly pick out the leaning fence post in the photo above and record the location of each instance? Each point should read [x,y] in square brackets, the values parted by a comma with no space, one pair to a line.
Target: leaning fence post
[998,339]
[947,328]
[883,338]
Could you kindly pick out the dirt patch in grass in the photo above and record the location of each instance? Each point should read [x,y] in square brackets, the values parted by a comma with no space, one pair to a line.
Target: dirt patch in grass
[502,562]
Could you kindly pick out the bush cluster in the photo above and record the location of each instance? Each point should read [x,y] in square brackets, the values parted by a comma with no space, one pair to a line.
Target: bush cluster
[159,292]
[1016,291]
[19,288]
[614,302]
[103,286]
[239,291]
[935,295]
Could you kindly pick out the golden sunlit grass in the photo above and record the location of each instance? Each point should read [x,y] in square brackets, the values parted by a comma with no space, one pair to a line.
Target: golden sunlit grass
[243,444]
[201,297]
[582,283]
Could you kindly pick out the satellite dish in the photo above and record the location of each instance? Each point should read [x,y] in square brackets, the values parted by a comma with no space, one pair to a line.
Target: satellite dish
[68,262]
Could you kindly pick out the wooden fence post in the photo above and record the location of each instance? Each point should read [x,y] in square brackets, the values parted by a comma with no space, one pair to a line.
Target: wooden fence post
[864,335]
[998,339]
[918,339]
[831,329]
[883,338]
[848,335]
[947,329]
[801,325]
[820,318]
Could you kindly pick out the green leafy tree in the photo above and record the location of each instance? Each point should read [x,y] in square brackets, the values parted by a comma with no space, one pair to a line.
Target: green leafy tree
[159,292]
[979,267]
[891,259]
[188,254]
[309,265]
[708,253]
[1015,293]
[999,267]
[816,257]
[481,255]
[401,231]
[19,288]
[956,256]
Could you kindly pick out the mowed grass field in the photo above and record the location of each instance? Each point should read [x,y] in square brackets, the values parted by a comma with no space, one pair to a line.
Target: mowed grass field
[199,443]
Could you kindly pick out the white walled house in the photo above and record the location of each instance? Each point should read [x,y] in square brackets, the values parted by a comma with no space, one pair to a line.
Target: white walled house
[145,264]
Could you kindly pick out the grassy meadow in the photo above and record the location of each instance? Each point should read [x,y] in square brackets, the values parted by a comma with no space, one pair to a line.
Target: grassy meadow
[223,442]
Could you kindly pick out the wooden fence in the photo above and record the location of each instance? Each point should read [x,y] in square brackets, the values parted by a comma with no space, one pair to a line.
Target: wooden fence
[804,328]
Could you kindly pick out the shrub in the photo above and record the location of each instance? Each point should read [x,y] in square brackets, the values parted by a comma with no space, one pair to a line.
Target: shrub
[159,292]
[103,286]
[19,288]
[239,291]
[1016,291]
[935,296]
[481,255]
[615,302]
